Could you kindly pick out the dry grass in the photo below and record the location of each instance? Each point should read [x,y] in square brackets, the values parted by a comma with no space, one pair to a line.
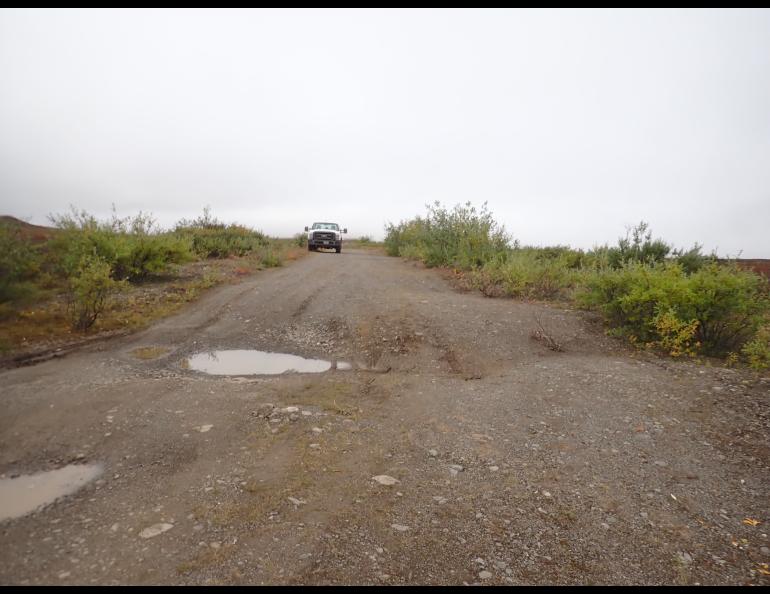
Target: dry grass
[147,353]
[546,337]
[331,396]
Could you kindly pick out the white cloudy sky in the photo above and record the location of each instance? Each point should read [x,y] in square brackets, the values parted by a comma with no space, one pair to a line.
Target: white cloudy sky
[572,125]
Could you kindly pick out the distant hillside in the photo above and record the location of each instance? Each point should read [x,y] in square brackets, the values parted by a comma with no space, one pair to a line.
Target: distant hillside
[757,265]
[36,233]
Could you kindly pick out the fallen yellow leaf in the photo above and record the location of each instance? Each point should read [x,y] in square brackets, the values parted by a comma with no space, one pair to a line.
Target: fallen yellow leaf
[751,522]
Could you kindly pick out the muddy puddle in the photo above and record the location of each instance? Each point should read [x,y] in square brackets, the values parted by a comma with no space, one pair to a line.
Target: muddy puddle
[24,494]
[249,362]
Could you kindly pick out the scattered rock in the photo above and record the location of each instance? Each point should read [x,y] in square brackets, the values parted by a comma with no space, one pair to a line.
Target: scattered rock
[296,501]
[263,410]
[155,530]
[485,575]
[204,428]
[399,527]
[433,453]
[384,479]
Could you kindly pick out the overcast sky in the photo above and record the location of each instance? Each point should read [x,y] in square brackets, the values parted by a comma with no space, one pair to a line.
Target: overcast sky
[572,125]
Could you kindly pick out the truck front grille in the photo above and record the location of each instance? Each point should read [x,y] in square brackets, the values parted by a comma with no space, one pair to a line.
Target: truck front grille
[323,236]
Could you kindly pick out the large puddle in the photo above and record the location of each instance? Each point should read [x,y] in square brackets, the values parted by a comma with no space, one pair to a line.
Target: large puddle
[24,494]
[248,362]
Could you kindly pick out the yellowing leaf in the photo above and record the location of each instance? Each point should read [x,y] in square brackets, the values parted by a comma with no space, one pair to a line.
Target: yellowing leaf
[751,522]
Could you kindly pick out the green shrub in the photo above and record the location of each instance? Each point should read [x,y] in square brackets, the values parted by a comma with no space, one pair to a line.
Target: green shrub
[300,240]
[269,257]
[639,247]
[730,305]
[757,350]
[89,290]
[463,238]
[211,238]
[526,273]
[675,336]
[19,264]
[727,304]
[148,255]
[133,247]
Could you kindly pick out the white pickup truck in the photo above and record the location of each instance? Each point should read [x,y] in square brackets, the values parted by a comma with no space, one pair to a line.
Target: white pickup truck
[324,235]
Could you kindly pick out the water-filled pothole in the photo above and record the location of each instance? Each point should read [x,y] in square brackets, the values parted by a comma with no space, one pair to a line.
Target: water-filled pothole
[24,494]
[249,362]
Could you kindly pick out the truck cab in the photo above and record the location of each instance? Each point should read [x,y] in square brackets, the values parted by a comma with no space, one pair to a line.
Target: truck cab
[324,235]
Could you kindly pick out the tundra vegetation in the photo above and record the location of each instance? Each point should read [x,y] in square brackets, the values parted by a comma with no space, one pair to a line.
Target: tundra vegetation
[678,301]
[85,274]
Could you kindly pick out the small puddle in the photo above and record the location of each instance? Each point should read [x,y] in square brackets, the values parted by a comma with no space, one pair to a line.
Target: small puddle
[248,362]
[22,495]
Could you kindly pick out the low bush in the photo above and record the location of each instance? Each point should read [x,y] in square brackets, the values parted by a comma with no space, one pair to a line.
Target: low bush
[19,264]
[90,288]
[133,247]
[712,311]
[756,351]
[639,247]
[463,237]
[211,238]
[269,257]
[526,273]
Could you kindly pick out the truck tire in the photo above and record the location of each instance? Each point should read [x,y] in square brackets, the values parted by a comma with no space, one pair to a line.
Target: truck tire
[339,249]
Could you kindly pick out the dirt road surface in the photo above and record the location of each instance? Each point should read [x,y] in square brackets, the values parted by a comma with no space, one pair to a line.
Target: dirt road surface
[514,464]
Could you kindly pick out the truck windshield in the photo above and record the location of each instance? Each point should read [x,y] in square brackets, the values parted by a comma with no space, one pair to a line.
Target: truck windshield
[331,226]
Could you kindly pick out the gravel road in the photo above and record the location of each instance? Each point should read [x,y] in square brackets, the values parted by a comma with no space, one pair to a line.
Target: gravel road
[456,450]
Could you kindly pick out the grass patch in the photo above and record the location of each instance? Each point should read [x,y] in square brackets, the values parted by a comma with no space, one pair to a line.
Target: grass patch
[335,397]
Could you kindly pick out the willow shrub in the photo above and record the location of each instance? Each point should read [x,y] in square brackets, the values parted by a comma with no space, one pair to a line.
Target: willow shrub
[714,311]
[464,237]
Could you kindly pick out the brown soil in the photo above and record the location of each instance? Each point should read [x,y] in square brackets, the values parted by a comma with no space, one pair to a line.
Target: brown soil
[759,266]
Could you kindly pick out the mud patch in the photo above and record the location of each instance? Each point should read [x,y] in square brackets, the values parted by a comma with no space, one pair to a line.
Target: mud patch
[22,495]
[249,362]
